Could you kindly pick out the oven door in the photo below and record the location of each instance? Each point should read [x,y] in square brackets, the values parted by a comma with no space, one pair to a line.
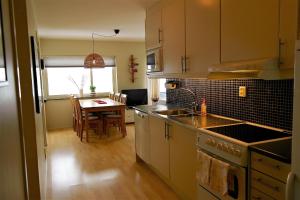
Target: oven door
[236,181]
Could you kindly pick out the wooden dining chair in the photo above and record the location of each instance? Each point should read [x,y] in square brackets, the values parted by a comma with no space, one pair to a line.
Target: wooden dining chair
[111,95]
[74,116]
[114,120]
[117,96]
[95,122]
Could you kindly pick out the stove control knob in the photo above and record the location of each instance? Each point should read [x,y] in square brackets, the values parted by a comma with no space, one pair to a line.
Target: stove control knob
[231,150]
[213,142]
[237,152]
[208,141]
[225,147]
[220,146]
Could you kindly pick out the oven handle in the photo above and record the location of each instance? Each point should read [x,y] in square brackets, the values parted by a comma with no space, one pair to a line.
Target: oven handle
[232,165]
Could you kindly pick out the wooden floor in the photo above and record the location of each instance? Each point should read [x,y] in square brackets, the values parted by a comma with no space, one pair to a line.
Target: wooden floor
[101,169]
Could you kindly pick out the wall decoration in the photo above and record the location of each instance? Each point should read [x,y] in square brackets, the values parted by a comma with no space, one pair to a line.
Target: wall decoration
[132,67]
[3,73]
[36,72]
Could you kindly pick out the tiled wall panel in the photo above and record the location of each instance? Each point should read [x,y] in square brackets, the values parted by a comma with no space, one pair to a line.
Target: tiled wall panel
[268,102]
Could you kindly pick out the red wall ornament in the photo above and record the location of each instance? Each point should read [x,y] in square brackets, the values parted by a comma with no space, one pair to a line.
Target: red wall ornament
[132,67]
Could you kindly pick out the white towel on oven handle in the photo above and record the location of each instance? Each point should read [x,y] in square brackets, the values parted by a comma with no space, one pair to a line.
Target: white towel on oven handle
[204,165]
[219,176]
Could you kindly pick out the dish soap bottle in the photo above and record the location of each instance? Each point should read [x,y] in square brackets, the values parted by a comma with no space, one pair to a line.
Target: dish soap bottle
[203,108]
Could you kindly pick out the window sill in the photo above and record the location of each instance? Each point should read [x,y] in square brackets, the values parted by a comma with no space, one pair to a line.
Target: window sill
[85,96]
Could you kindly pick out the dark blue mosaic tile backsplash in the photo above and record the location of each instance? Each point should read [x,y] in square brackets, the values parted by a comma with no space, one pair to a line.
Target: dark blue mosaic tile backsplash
[268,102]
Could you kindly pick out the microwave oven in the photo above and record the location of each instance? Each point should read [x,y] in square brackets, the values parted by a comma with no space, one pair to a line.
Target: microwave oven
[154,60]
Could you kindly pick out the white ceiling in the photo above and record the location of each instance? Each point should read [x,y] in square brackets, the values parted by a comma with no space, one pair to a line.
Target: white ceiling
[78,19]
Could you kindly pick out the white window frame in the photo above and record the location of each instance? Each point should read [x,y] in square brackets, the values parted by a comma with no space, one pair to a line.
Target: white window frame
[65,96]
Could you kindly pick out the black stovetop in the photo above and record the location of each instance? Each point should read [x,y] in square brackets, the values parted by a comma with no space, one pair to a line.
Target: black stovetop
[249,133]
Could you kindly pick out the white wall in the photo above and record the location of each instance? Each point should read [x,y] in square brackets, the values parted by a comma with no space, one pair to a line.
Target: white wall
[59,112]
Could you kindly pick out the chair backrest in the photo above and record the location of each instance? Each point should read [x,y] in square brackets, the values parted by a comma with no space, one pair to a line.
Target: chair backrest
[111,95]
[123,98]
[73,104]
[78,110]
[117,96]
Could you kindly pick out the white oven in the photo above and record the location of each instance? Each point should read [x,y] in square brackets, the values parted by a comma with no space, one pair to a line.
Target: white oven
[236,182]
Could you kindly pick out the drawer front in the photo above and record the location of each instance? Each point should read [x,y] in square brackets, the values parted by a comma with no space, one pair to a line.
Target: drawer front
[270,186]
[257,195]
[266,165]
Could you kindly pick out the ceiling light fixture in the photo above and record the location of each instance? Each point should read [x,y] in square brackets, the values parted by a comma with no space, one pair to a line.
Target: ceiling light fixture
[95,60]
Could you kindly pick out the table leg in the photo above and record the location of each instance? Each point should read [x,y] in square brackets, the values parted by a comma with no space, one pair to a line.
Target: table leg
[123,125]
[87,125]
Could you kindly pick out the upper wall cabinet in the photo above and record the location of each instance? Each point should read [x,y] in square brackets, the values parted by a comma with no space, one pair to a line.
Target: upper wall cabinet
[288,32]
[173,21]
[202,36]
[191,36]
[249,29]
[153,26]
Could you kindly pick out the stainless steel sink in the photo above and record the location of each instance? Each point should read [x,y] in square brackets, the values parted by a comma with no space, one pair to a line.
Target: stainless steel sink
[173,112]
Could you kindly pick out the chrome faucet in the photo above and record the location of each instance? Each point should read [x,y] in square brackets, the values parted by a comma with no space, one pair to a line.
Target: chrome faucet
[194,103]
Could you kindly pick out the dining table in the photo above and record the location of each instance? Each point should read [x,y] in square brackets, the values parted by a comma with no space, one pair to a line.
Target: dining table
[102,105]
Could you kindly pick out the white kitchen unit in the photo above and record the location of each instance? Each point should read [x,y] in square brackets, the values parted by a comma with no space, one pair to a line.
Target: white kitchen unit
[202,36]
[288,32]
[183,160]
[191,39]
[159,146]
[153,26]
[173,24]
[249,29]
[142,136]
[293,184]
[129,115]
[268,177]
[173,155]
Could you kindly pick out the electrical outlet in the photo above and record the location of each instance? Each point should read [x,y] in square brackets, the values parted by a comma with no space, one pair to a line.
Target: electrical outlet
[242,91]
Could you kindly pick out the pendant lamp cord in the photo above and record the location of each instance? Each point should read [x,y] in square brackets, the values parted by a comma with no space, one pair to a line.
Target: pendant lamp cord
[96,34]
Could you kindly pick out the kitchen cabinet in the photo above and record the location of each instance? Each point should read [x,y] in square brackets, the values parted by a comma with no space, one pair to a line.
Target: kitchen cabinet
[174,155]
[183,160]
[268,176]
[191,36]
[142,136]
[173,23]
[159,146]
[153,36]
[288,32]
[249,30]
[129,115]
[202,36]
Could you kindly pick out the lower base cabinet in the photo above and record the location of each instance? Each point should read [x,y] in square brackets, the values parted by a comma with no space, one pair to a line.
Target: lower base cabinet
[174,155]
[183,160]
[159,146]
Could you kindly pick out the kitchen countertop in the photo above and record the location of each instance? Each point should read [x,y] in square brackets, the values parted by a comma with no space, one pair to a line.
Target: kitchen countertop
[279,150]
[190,121]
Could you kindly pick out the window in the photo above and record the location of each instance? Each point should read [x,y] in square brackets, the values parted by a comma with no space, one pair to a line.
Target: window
[162,89]
[64,80]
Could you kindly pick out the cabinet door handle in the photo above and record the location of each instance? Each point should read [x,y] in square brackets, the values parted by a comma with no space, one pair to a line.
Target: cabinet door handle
[165,131]
[185,63]
[280,45]
[275,188]
[168,132]
[159,35]
[182,64]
